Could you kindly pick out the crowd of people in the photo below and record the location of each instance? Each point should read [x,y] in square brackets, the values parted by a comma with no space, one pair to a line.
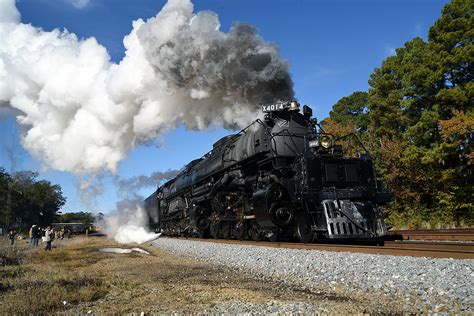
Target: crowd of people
[47,235]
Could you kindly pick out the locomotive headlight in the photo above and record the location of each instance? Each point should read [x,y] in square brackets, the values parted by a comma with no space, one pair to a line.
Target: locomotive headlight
[313,143]
[326,142]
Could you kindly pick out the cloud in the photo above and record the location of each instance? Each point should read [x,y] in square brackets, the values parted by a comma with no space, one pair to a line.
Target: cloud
[83,113]
[79,4]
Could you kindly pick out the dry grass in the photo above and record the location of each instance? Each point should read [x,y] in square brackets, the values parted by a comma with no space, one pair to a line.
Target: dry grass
[74,279]
[35,281]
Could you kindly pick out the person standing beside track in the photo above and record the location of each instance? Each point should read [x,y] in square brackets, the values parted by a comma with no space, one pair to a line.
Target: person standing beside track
[47,238]
[35,234]
[11,235]
[30,234]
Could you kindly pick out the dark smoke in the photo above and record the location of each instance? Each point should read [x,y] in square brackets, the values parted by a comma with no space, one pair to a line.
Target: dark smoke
[129,187]
[238,67]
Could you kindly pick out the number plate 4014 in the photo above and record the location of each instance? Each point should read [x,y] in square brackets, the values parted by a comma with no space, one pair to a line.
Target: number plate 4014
[273,107]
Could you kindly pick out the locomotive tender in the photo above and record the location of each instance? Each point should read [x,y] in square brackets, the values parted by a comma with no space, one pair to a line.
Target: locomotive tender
[280,177]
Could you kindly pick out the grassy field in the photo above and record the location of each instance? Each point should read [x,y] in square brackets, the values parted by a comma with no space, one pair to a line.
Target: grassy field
[34,281]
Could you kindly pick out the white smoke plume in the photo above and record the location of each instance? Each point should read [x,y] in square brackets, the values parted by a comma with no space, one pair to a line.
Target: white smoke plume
[128,224]
[84,113]
[88,189]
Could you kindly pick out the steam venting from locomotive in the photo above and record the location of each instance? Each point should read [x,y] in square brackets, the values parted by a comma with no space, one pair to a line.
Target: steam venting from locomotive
[83,113]
[128,223]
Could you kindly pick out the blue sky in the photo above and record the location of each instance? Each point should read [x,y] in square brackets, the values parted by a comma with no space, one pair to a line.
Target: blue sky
[331,46]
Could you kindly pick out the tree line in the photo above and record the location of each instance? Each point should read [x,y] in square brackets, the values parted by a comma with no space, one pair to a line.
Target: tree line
[417,118]
[25,200]
[86,218]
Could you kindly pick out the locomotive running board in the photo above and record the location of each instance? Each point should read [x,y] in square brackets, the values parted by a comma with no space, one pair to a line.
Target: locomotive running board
[344,220]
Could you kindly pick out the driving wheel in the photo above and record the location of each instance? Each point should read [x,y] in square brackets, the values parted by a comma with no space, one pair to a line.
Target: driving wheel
[225,229]
[303,229]
[255,232]
[239,231]
[214,230]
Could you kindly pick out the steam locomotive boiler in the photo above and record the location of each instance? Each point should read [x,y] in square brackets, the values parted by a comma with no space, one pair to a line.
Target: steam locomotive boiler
[280,177]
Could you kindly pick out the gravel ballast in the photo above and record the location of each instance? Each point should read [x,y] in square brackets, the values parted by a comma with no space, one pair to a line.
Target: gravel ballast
[409,284]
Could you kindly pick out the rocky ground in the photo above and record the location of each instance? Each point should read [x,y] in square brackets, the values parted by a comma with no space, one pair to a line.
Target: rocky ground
[351,282]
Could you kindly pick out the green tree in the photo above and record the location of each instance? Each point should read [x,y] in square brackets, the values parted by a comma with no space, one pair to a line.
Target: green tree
[401,94]
[77,217]
[5,182]
[31,201]
[352,110]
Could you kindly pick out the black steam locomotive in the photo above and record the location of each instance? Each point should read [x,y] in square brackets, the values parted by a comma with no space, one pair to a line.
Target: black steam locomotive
[280,177]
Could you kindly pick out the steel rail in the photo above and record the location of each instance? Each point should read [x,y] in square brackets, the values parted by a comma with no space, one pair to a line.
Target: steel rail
[461,246]
[399,248]
[435,234]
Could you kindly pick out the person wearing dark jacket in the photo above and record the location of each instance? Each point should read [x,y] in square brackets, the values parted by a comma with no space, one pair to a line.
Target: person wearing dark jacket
[12,235]
[35,234]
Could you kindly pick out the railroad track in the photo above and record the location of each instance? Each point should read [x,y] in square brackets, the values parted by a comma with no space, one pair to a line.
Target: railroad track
[397,248]
[434,234]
